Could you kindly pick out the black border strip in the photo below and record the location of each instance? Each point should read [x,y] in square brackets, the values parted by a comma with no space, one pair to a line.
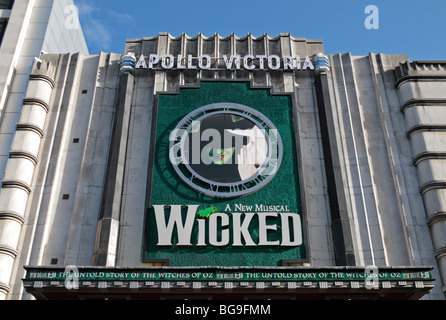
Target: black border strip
[425,127]
[423,102]
[341,229]
[417,78]
[429,156]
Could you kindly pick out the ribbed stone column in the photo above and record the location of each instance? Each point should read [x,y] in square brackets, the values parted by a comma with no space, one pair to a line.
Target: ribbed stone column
[17,183]
[422,88]
[340,216]
[107,233]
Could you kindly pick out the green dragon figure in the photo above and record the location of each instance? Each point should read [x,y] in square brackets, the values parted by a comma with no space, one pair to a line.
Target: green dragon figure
[206,213]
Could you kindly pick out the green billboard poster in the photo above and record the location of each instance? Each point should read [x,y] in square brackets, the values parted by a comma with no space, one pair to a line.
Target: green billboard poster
[224,186]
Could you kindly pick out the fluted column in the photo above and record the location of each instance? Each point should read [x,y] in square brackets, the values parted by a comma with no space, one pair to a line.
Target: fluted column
[340,215]
[107,233]
[17,183]
[422,89]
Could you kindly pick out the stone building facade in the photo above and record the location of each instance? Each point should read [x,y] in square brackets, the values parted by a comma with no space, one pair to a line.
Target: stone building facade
[28,28]
[360,173]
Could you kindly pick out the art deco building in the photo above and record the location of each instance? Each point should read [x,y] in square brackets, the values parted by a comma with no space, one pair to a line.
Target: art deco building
[27,29]
[227,168]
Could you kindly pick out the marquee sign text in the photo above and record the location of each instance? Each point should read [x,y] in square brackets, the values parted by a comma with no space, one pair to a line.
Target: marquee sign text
[229,62]
[169,220]
[229,275]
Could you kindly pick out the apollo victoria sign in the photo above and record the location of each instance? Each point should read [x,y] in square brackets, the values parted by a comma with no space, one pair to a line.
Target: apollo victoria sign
[230,62]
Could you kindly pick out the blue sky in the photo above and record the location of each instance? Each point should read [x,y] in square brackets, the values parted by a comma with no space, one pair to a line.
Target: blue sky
[416,28]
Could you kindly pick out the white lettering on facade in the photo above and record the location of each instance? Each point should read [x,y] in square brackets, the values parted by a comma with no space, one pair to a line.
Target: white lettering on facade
[165,231]
[206,62]
[218,228]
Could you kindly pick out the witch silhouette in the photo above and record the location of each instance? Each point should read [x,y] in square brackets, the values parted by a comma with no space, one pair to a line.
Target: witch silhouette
[234,152]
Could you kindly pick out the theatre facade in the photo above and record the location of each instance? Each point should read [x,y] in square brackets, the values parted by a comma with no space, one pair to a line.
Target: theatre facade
[227,168]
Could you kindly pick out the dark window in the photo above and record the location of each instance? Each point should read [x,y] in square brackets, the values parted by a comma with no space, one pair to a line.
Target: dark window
[6,4]
[3,24]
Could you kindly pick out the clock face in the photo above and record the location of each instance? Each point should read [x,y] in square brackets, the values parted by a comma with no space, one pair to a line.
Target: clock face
[225,150]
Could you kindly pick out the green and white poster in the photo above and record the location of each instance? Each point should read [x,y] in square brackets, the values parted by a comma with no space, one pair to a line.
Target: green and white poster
[224,187]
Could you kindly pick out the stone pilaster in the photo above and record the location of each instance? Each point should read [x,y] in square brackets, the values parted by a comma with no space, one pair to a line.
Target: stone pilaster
[422,87]
[339,209]
[17,183]
[108,224]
